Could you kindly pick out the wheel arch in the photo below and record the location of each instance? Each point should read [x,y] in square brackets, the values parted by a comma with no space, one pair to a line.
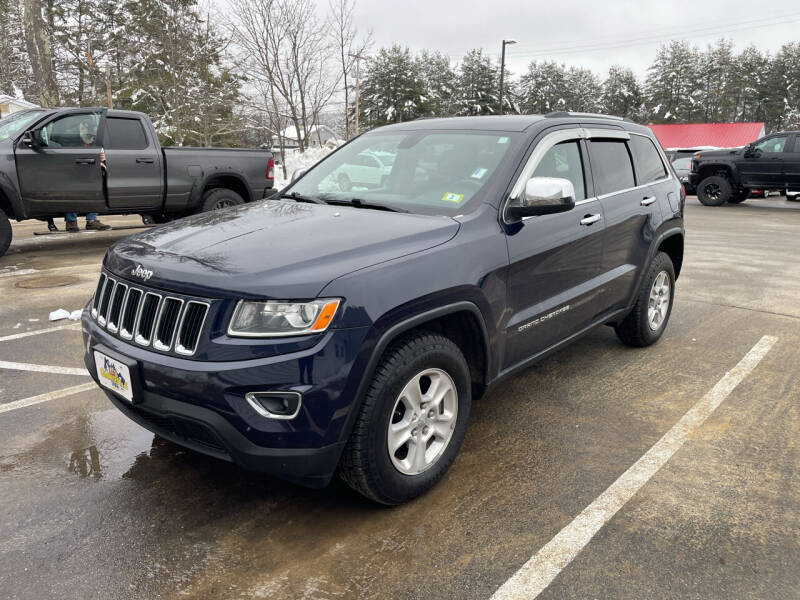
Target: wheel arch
[725,169]
[671,243]
[230,181]
[458,321]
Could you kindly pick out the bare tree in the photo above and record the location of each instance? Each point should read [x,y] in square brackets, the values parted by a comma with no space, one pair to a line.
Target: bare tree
[286,49]
[343,34]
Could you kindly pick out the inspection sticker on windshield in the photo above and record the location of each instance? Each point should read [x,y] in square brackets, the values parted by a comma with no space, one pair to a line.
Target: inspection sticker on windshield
[502,140]
[478,173]
[451,197]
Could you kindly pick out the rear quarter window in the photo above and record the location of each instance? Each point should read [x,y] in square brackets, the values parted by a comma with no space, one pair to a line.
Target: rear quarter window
[649,166]
[612,169]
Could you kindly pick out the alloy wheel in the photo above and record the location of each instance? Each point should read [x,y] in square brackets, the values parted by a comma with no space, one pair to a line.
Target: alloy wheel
[658,302]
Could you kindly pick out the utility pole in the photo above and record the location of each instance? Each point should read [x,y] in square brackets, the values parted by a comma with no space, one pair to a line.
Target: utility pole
[108,85]
[503,69]
[358,81]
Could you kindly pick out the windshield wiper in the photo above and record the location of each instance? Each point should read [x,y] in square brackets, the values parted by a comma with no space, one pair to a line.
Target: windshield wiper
[301,198]
[359,203]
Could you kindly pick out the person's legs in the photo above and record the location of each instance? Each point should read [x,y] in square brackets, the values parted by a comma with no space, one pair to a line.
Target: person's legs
[93,223]
[71,221]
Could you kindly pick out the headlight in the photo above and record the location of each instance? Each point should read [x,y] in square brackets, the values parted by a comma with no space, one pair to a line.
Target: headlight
[277,318]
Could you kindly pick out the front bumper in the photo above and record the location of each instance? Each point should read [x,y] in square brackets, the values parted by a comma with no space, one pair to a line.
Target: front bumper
[201,404]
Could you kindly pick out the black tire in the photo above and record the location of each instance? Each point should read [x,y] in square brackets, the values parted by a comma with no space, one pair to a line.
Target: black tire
[714,191]
[220,198]
[5,233]
[155,219]
[739,196]
[635,329]
[793,197]
[366,464]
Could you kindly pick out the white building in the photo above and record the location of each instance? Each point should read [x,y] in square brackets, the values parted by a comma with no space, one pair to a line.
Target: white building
[9,104]
[317,136]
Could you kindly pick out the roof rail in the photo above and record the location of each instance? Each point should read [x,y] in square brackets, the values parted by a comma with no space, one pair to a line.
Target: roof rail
[561,114]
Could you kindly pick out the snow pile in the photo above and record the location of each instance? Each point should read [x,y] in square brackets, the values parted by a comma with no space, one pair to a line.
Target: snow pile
[58,315]
[303,160]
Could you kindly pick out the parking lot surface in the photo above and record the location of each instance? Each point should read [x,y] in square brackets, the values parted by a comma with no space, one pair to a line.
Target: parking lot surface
[92,506]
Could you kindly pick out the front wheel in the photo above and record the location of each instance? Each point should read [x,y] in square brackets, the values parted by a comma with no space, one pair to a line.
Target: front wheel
[412,421]
[645,324]
[714,191]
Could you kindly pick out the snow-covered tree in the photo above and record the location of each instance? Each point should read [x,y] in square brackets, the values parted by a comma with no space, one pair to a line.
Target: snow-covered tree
[477,84]
[673,84]
[622,94]
[439,81]
[543,88]
[392,88]
[14,64]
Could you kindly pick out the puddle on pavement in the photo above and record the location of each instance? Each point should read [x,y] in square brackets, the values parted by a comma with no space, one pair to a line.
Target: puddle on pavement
[47,281]
[108,447]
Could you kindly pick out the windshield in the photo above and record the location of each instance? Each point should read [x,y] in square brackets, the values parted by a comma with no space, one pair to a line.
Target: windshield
[425,172]
[682,163]
[14,123]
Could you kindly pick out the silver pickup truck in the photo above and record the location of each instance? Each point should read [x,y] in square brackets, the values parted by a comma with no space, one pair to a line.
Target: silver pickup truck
[54,161]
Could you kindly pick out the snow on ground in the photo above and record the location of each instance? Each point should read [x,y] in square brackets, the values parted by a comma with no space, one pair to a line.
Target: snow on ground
[297,160]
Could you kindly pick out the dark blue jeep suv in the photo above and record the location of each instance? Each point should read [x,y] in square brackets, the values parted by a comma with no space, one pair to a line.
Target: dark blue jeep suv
[348,324]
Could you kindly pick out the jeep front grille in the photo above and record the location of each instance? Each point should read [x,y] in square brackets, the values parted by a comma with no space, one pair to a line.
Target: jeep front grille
[148,318]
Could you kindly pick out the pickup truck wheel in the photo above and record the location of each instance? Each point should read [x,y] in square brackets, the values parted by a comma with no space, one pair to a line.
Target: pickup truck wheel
[714,191]
[220,198]
[5,233]
[648,319]
[412,421]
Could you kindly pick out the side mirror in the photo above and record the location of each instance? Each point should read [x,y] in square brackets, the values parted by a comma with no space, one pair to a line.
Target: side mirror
[544,196]
[28,139]
[298,174]
[750,151]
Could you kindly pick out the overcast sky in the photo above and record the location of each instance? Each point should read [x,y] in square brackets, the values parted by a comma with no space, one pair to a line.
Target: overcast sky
[577,32]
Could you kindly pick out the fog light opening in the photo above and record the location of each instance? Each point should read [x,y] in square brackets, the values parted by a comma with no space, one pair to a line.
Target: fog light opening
[275,405]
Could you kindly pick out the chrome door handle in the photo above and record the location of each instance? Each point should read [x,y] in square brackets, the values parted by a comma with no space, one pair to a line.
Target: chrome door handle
[84,161]
[648,200]
[148,161]
[590,219]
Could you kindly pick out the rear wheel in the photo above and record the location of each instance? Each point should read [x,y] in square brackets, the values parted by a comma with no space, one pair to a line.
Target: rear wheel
[220,198]
[412,422]
[5,233]
[648,319]
[714,191]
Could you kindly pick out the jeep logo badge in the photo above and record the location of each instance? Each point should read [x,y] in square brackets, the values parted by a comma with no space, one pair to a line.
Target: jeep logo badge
[139,271]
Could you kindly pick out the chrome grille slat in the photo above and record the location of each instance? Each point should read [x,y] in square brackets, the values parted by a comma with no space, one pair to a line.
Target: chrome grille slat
[167,322]
[115,308]
[149,318]
[191,323]
[108,292]
[129,313]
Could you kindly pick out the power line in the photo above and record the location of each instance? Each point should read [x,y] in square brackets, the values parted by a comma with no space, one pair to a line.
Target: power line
[648,40]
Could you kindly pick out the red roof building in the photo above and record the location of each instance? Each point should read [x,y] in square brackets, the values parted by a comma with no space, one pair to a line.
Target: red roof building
[699,135]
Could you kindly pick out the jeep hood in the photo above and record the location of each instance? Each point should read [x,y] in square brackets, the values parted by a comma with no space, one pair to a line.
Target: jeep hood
[272,249]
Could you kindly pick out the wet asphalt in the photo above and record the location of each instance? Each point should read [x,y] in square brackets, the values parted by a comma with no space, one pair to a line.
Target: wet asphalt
[92,506]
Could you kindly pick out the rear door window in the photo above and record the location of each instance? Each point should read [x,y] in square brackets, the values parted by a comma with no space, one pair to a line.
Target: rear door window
[612,169]
[125,134]
[649,166]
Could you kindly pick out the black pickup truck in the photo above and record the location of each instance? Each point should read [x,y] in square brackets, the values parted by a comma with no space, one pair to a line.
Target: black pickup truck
[771,163]
[50,164]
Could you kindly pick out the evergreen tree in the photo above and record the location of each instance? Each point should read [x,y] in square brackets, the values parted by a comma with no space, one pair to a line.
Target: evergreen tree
[478,84]
[393,89]
[583,92]
[14,64]
[622,94]
[542,89]
[439,81]
[673,86]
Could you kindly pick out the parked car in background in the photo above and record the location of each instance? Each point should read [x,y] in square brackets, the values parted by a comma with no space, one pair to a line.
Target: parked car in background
[793,195]
[331,331]
[50,164]
[683,167]
[770,163]
[366,169]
